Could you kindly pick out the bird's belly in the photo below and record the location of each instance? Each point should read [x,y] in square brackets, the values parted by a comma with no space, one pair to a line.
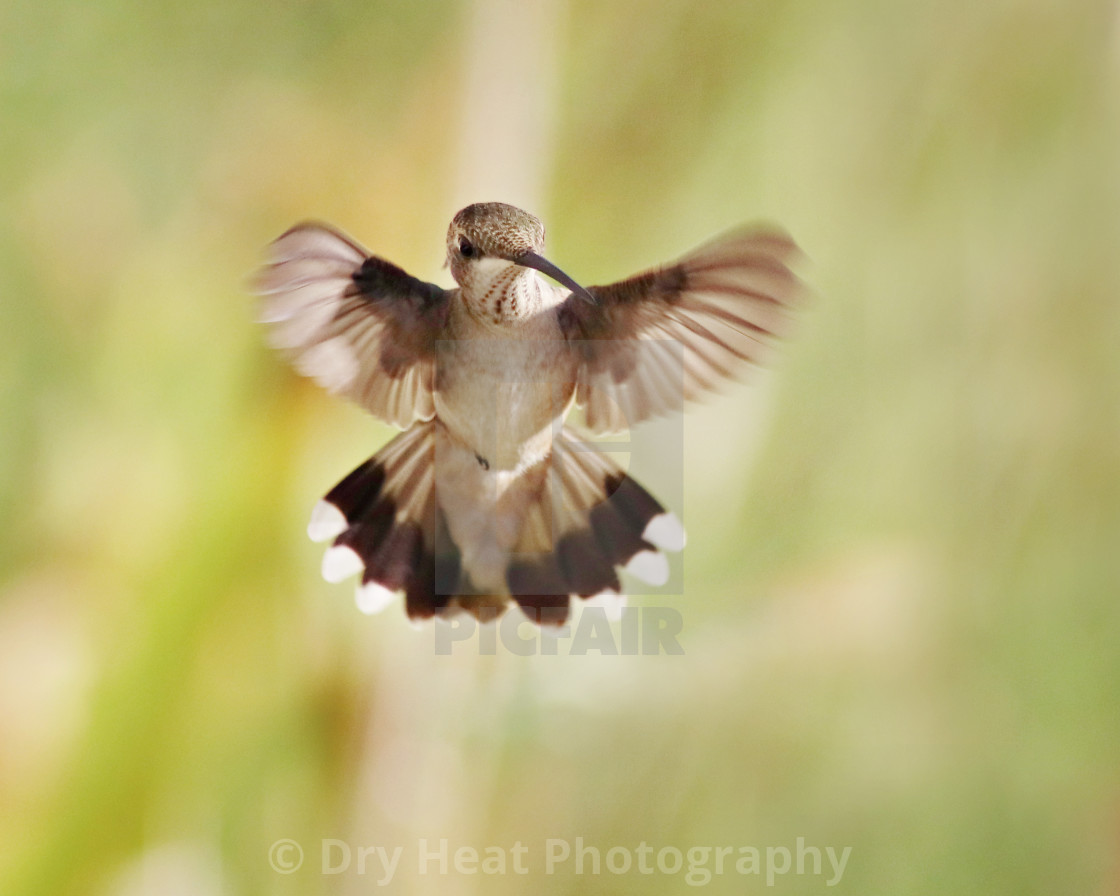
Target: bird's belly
[484,509]
[502,404]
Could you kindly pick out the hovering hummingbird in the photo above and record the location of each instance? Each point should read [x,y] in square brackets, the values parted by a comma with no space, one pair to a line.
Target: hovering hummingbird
[488,498]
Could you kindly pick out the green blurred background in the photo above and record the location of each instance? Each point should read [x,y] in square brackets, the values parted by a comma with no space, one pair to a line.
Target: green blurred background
[901,587]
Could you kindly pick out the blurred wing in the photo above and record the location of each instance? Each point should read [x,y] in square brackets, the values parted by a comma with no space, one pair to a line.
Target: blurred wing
[355,323]
[674,333]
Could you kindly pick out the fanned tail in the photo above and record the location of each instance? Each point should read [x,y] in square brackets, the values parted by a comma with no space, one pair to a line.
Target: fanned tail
[578,519]
[590,520]
[384,521]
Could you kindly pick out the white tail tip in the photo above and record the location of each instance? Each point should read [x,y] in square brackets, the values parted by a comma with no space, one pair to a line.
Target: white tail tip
[341,562]
[327,521]
[666,532]
[373,597]
[649,566]
[612,603]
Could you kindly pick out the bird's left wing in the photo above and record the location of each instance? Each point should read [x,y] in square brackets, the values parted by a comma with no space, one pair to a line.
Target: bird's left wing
[673,333]
[357,324]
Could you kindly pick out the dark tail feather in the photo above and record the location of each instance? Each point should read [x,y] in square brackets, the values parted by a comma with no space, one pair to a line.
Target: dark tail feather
[384,520]
[590,520]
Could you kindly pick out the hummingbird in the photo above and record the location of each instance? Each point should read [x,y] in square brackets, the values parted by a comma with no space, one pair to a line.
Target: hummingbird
[489,498]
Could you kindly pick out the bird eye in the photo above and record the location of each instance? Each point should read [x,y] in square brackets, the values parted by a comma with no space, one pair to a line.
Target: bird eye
[465,248]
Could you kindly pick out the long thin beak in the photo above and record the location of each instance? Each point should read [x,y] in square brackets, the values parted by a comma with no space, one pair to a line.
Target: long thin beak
[534,261]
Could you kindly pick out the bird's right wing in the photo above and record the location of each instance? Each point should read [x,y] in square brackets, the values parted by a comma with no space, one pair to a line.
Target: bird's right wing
[355,323]
[671,334]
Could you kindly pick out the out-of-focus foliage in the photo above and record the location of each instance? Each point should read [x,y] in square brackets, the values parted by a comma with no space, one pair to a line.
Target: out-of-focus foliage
[902,586]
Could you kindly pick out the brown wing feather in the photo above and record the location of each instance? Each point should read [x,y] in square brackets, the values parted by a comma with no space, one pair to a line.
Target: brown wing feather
[355,323]
[674,333]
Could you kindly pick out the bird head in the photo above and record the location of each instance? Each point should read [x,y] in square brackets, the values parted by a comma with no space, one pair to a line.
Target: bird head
[490,246]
